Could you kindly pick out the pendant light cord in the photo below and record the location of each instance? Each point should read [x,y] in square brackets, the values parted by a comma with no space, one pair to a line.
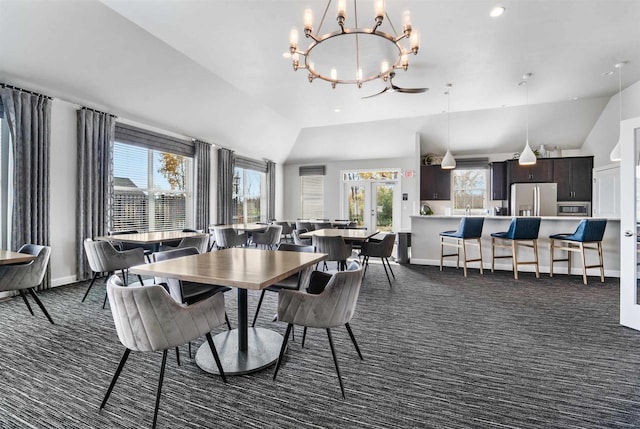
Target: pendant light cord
[526,102]
[449,119]
[620,91]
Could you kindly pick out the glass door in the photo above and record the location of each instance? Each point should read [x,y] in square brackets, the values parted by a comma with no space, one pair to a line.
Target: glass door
[382,204]
[372,205]
[629,185]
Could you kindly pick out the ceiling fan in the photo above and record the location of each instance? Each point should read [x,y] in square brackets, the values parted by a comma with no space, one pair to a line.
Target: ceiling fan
[393,88]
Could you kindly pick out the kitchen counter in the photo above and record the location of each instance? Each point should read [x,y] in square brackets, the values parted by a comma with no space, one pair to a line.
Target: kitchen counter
[425,243]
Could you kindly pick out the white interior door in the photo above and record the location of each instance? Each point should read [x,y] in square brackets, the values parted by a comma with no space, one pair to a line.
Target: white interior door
[629,146]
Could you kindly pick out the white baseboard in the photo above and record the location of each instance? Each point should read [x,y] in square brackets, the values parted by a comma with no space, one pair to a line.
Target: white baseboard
[61,281]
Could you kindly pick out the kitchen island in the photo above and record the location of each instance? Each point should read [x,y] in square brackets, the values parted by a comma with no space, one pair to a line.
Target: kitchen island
[425,244]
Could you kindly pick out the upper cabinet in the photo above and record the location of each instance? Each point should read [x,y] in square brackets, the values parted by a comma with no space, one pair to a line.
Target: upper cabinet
[499,180]
[574,178]
[435,183]
[541,171]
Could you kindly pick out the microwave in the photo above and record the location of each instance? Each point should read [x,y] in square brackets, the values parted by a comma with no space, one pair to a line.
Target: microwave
[574,209]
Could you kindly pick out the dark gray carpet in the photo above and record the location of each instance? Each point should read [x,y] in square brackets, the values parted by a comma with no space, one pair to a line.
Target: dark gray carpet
[440,351]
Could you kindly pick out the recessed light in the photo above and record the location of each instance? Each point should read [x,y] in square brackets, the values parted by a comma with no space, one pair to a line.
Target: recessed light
[496,11]
[573,98]
[337,110]
[607,73]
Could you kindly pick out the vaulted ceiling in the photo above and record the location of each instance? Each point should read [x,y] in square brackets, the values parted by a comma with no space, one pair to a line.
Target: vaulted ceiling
[214,70]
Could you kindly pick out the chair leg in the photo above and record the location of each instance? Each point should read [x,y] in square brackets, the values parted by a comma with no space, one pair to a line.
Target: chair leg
[601,261]
[365,262]
[584,264]
[140,280]
[214,352]
[282,349]
[26,301]
[353,340]
[480,250]
[160,380]
[464,254]
[441,251]
[255,317]
[32,292]
[551,251]
[386,272]
[95,276]
[104,302]
[189,349]
[493,253]
[335,361]
[514,257]
[304,336]
[535,253]
[178,355]
[115,377]
[389,265]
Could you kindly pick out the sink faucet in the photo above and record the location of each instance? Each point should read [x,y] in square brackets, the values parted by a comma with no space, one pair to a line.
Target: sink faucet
[468,209]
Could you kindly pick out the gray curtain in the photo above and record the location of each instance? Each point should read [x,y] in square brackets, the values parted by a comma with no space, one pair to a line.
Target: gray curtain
[271,190]
[225,185]
[95,180]
[203,180]
[29,118]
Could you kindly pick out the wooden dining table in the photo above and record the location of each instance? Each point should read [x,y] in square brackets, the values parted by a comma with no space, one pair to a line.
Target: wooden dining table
[156,237]
[7,257]
[242,350]
[249,227]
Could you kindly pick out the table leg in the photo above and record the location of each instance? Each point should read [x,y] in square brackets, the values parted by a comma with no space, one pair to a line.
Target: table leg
[243,323]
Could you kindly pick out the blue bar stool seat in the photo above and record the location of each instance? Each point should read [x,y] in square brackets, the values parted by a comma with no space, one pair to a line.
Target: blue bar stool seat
[588,235]
[523,231]
[469,232]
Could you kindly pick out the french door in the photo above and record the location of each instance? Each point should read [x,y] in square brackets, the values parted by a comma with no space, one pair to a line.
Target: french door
[629,181]
[372,204]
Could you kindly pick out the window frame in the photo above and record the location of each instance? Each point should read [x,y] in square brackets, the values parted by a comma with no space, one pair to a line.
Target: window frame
[485,191]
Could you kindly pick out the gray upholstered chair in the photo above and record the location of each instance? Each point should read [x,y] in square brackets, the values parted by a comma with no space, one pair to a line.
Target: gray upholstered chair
[122,245]
[292,282]
[269,238]
[336,249]
[148,319]
[304,225]
[382,250]
[104,258]
[200,242]
[27,276]
[300,241]
[229,237]
[287,229]
[322,225]
[332,308]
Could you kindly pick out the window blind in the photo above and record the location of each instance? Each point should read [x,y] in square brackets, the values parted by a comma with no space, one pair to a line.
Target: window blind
[148,139]
[312,170]
[312,197]
[472,163]
[250,164]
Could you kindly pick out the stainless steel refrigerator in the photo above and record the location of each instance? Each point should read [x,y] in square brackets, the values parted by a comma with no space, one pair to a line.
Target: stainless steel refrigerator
[534,199]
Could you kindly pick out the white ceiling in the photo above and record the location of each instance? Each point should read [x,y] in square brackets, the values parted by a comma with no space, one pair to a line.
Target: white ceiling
[214,70]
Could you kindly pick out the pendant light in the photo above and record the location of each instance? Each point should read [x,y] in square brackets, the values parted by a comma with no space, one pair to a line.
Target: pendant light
[527,157]
[615,153]
[448,162]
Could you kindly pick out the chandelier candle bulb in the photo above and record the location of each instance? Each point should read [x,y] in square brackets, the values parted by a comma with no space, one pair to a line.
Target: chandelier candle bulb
[342,10]
[384,69]
[334,74]
[415,41]
[293,40]
[404,62]
[406,22]
[379,10]
[308,21]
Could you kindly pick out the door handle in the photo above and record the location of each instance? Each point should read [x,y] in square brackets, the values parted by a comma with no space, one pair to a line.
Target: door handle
[628,234]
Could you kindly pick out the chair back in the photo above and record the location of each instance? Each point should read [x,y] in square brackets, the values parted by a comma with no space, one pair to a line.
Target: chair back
[289,247]
[334,307]
[286,227]
[590,230]
[300,241]
[29,274]
[228,237]
[524,228]
[322,225]
[304,225]
[200,242]
[470,227]
[103,257]
[334,247]
[174,285]
[148,319]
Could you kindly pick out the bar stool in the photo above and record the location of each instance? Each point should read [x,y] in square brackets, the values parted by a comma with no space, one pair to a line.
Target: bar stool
[522,230]
[588,235]
[469,232]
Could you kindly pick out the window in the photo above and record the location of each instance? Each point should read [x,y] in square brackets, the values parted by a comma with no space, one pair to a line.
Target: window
[469,189]
[249,195]
[152,189]
[312,191]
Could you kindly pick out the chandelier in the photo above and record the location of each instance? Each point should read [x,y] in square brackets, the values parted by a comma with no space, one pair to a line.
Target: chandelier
[354,55]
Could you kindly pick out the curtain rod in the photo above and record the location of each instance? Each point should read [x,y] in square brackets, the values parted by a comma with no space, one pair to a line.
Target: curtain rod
[98,111]
[5,85]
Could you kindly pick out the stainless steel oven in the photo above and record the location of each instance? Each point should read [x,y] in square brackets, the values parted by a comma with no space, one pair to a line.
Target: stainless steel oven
[582,208]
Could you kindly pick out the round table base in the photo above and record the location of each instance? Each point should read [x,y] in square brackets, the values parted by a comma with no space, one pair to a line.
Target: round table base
[263,349]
